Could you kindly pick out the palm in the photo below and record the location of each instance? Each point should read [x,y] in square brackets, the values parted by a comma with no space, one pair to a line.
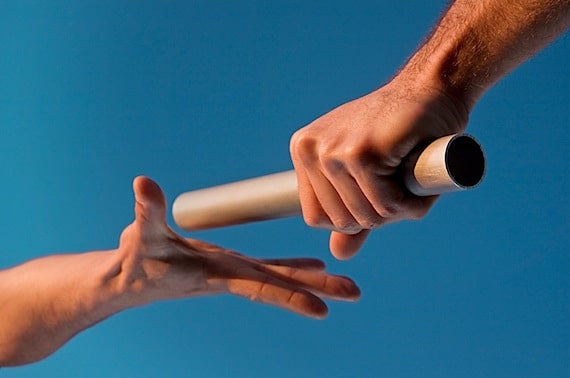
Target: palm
[168,266]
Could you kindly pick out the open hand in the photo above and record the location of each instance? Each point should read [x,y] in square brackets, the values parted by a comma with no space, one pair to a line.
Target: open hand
[160,264]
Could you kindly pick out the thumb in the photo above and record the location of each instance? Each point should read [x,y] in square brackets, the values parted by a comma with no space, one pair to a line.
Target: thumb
[344,246]
[150,204]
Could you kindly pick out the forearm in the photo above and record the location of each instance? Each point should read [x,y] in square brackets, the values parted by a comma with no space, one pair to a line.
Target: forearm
[477,42]
[45,302]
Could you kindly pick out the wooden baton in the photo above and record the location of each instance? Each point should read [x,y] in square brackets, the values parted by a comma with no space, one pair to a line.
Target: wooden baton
[451,163]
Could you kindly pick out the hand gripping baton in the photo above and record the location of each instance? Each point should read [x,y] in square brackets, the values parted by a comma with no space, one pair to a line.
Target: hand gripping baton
[451,163]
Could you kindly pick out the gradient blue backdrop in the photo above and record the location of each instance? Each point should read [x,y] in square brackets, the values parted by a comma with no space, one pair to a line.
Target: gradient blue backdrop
[193,94]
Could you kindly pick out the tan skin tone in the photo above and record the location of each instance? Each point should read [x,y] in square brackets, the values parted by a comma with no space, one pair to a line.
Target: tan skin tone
[45,302]
[346,164]
[347,161]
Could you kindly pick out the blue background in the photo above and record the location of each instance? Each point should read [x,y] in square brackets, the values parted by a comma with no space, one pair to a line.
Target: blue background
[199,93]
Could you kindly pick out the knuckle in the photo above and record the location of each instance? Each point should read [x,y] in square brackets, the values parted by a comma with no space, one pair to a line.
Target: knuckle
[355,153]
[308,155]
[332,166]
[363,161]
[389,210]
[357,156]
[353,158]
[302,142]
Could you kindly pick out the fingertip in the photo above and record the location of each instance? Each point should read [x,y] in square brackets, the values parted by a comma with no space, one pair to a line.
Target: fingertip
[356,294]
[319,310]
[146,188]
[321,316]
[138,180]
[344,247]
[352,291]
[344,288]
[150,201]
[309,305]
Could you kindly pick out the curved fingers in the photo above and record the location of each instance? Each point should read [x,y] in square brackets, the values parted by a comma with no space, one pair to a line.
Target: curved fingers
[390,198]
[332,204]
[352,195]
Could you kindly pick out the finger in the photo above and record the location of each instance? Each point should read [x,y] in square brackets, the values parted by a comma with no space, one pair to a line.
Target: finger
[351,195]
[271,291]
[390,199]
[321,205]
[150,202]
[313,213]
[343,246]
[299,263]
[417,207]
[302,149]
[319,283]
[332,204]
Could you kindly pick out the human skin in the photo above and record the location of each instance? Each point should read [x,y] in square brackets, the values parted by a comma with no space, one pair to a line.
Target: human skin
[347,161]
[47,301]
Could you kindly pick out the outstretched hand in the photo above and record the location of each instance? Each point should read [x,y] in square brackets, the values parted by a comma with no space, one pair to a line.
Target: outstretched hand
[159,264]
[51,299]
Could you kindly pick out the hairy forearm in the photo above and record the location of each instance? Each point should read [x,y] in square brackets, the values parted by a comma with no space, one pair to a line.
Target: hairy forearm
[477,42]
[45,302]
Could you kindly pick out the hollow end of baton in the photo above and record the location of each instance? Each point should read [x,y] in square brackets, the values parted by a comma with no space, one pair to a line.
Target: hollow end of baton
[449,164]
[465,162]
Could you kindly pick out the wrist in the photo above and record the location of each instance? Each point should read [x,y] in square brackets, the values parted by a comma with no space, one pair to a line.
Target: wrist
[112,286]
[121,283]
[434,73]
[428,86]
[105,294]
